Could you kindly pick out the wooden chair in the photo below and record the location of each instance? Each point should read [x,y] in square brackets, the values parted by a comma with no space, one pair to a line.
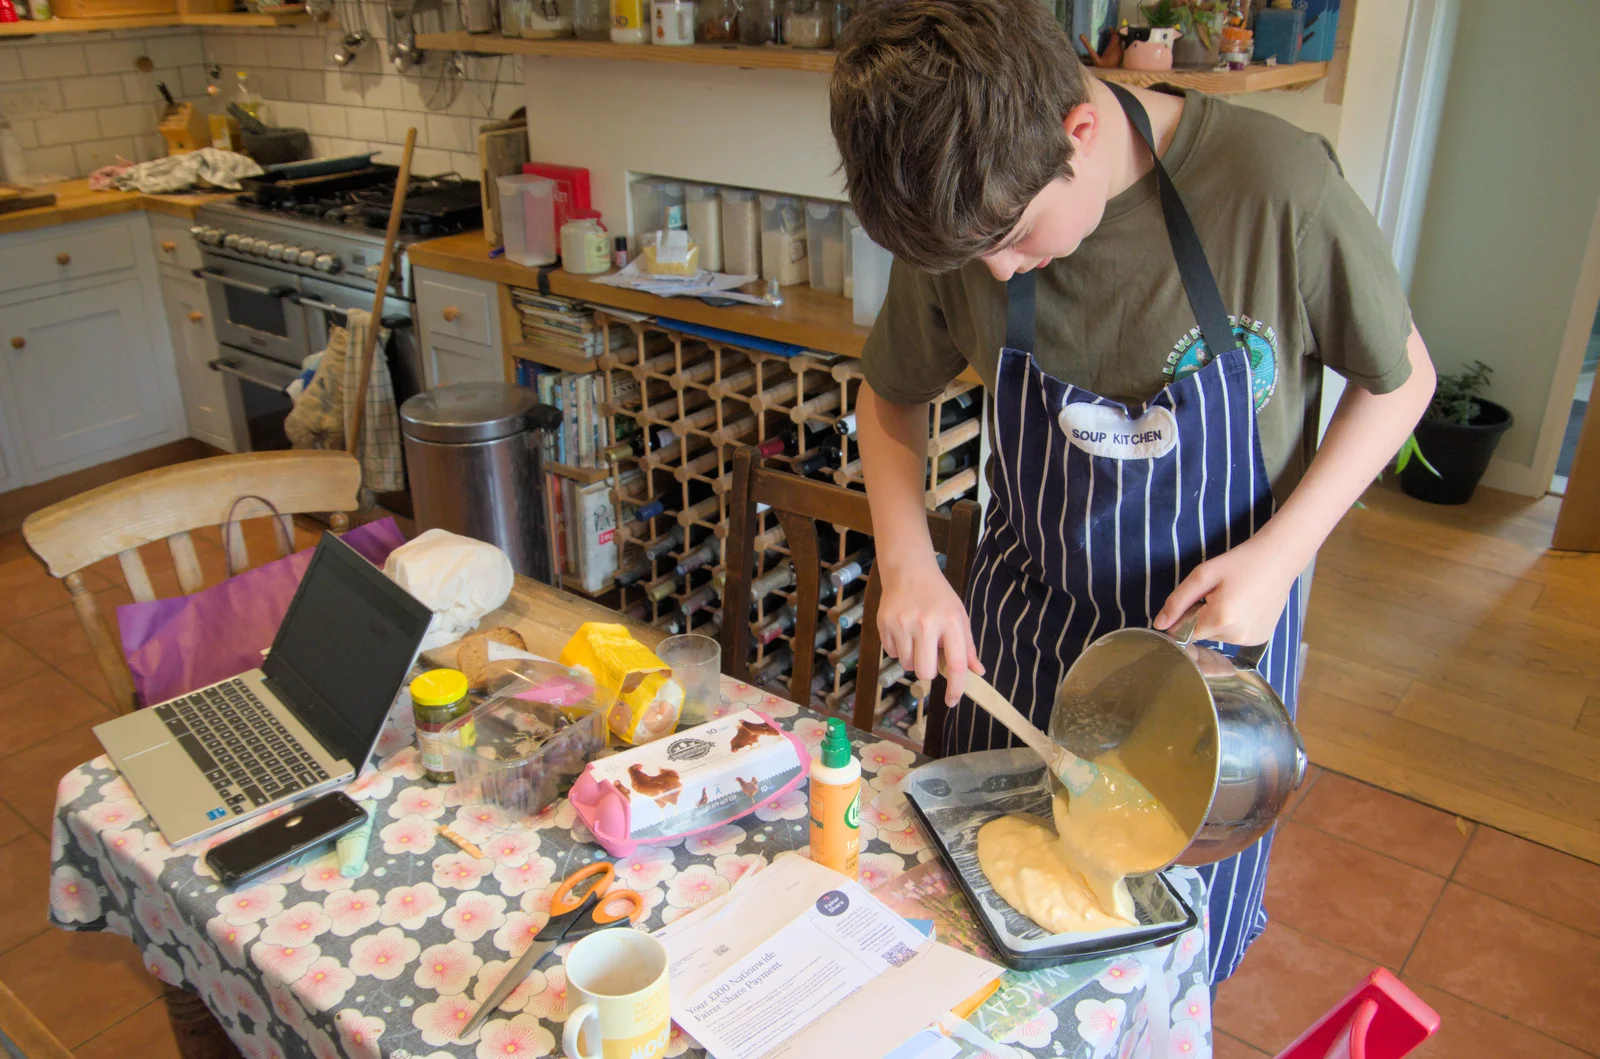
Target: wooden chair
[165,504]
[798,503]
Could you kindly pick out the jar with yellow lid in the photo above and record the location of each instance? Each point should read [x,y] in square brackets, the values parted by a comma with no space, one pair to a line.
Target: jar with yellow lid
[438,697]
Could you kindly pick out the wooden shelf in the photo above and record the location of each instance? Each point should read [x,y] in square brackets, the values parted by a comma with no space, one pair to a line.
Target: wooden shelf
[1226,82]
[737,55]
[288,16]
[583,475]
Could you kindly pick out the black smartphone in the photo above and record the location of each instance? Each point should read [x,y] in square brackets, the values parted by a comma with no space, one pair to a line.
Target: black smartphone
[285,837]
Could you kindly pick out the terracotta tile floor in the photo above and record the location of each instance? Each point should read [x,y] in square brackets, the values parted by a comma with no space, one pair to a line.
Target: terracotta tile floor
[1501,936]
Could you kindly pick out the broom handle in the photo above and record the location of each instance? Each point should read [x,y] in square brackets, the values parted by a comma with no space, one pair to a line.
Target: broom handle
[353,442]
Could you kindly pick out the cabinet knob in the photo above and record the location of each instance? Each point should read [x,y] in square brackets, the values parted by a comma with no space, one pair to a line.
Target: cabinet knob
[168,246]
[18,342]
[63,258]
[451,314]
[195,316]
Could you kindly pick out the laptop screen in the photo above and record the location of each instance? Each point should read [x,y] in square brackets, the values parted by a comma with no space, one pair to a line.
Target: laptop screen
[344,648]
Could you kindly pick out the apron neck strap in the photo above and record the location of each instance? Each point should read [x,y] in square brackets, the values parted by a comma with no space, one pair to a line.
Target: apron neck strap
[1193,269]
[1020,298]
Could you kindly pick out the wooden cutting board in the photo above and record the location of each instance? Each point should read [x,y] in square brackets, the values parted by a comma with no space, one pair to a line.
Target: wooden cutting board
[502,148]
[15,197]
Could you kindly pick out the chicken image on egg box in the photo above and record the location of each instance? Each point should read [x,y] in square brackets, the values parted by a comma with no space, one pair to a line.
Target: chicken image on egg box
[649,701]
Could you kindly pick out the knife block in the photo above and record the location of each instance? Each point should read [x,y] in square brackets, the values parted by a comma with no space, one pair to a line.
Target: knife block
[185,129]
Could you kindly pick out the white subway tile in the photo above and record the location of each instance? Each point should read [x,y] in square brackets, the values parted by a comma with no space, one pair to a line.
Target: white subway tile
[382,90]
[464,164]
[388,153]
[274,83]
[73,126]
[291,115]
[307,89]
[92,156]
[221,48]
[194,81]
[339,145]
[340,86]
[10,62]
[283,53]
[315,50]
[27,134]
[110,56]
[46,163]
[173,51]
[428,162]
[327,120]
[150,146]
[53,60]
[135,119]
[81,93]
[410,94]
[396,122]
[365,123]
[448,133]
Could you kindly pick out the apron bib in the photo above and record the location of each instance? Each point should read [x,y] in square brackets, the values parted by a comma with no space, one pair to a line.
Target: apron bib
[1098,510]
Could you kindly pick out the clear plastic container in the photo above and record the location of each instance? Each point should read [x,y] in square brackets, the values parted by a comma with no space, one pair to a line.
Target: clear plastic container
[705,223]
[761,22]
[783,240]
[741,232]
[530,738]
[536,19]
[672,206]
[808,24]
[870,263]
[528,208]
[585,246]
[718,22]
[850,226]
[825,242]
[591,19]
[672,22]
[648,197]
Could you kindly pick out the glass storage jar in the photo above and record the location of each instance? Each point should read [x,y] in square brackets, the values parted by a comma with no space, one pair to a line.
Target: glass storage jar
[843,12]
[808,24]
[718,22]
[536,19]
[761,22]
[591,19]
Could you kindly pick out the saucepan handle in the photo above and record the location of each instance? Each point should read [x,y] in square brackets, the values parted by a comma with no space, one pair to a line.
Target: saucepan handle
[1182,633]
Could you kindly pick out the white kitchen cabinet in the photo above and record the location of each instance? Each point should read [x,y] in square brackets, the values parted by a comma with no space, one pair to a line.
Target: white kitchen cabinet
[84,372]
[207,399]
[458,327]
[10,470]
[445,362]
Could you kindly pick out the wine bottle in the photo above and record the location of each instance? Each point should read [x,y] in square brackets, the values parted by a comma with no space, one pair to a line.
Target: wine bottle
[787,442]
[775,580]
[699,599]
[957,460]
[664,543]
[852,617]
[772,666]
[957,410]
[846,427]
[891,674]
[633,445]
[777,625]
[636,572]
[702,555]
[854,568]
[661,589]
[655,507]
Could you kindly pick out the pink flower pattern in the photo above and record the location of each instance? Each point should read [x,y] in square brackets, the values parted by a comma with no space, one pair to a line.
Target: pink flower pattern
[474,915]
[383,955]
[514,1037]
[349,911]
[309,941]
[446,968]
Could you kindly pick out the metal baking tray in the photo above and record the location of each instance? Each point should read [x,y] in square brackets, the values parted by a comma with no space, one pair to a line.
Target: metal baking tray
[955,796]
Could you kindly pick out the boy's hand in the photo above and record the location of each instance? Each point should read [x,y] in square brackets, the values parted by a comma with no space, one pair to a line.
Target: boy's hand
[1244,593]
[921,618]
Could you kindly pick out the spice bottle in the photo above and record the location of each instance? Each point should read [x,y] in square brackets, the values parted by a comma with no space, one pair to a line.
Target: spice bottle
[836,803]
[808,24]
[438,697]
[718,21]
[629,20]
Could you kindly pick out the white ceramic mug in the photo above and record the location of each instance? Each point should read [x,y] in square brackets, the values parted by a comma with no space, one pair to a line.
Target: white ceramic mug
[621,978]
[672,21]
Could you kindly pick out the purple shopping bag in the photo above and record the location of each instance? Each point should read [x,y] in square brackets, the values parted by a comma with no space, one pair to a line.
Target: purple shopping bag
[176,645]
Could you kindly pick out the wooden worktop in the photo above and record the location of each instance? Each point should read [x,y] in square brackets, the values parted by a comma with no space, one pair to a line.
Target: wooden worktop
[807,318]
[75,202]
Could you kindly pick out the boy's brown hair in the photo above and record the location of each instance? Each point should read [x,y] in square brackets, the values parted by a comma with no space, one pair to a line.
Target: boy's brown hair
[948,115]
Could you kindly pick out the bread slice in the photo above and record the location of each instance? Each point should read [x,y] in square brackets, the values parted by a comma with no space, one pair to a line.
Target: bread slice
[472,653]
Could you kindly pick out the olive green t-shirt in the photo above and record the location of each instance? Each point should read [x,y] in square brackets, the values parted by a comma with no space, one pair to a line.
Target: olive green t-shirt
[1303,269]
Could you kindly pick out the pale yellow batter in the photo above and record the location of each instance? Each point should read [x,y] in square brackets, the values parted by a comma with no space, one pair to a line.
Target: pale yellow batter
[1074,880]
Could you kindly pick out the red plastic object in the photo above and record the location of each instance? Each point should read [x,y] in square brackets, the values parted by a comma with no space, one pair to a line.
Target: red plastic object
[1380,1020]
[572,188]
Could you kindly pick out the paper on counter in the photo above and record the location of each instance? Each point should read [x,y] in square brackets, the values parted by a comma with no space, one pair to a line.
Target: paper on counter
[800,961]
[634,277]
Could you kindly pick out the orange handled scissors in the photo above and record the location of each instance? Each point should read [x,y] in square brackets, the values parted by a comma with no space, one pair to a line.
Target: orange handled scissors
[579,907]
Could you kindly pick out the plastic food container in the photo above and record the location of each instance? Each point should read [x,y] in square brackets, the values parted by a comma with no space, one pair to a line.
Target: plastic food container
[585,247]
[528,207]
[870,276]
[649,199]
[741,232]
[783,240]
[825,240]
[705,224]
[530,738]
[850,226]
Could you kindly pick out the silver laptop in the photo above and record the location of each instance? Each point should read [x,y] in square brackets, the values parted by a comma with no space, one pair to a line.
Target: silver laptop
[307,720]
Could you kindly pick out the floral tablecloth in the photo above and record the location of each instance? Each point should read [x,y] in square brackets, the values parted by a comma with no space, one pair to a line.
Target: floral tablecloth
[308,963]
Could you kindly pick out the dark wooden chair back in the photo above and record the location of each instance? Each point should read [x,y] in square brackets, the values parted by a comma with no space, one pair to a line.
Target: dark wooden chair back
[799,503]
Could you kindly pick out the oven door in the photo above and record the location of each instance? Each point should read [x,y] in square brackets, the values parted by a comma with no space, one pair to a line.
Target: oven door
[259,383]
[255,309]
[325,304]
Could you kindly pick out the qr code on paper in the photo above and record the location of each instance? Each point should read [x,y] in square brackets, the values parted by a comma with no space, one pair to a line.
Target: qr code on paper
[720,950]
[899,955]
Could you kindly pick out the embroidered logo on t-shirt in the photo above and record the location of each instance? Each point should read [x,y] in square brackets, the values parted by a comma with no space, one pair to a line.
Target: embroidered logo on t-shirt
[1259,339]
[1106,430]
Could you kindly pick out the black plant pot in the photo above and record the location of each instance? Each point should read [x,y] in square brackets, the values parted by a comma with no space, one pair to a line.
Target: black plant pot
[1459,452]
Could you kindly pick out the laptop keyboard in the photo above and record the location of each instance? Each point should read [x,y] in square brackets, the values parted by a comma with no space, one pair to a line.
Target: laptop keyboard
[246,753]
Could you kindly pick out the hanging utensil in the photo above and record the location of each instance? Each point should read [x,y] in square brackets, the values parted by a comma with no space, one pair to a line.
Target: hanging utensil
[161,86]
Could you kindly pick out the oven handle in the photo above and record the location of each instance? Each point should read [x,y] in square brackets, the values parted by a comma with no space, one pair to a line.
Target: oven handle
[227,367]
[392,322]
[282,290]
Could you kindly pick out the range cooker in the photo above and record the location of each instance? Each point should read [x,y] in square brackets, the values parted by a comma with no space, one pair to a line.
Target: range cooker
[285,261]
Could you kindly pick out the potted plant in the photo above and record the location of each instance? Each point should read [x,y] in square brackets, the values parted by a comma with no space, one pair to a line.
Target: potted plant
[1459,432]
[1201,21]
[1149,47]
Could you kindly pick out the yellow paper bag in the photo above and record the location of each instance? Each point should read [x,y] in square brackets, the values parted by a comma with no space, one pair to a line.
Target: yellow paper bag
[649,700]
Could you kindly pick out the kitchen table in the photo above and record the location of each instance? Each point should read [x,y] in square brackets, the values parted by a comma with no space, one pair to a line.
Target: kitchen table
[308,963]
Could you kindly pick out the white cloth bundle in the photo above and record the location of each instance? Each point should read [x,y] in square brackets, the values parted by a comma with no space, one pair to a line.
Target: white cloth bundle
[458,578]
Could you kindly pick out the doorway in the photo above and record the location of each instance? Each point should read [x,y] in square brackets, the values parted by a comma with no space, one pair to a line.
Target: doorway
[1582,397]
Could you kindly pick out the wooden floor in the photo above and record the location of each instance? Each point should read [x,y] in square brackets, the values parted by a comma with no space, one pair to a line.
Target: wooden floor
[1455,659]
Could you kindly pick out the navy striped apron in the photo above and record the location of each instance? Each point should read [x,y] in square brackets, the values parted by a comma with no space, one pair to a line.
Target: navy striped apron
[1098,510]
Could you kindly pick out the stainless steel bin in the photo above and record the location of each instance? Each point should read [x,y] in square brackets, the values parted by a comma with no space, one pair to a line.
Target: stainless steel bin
[474,454]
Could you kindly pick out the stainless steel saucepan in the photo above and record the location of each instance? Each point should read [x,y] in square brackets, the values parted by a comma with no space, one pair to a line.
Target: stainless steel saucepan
[1202,730]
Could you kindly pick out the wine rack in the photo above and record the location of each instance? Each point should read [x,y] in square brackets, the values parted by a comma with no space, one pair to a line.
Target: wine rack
[691,402]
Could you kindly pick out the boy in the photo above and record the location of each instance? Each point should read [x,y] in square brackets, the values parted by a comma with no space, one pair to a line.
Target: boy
[1154,379]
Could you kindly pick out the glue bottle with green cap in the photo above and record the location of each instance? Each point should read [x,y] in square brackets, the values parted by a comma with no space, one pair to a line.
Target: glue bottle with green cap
[836,803]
